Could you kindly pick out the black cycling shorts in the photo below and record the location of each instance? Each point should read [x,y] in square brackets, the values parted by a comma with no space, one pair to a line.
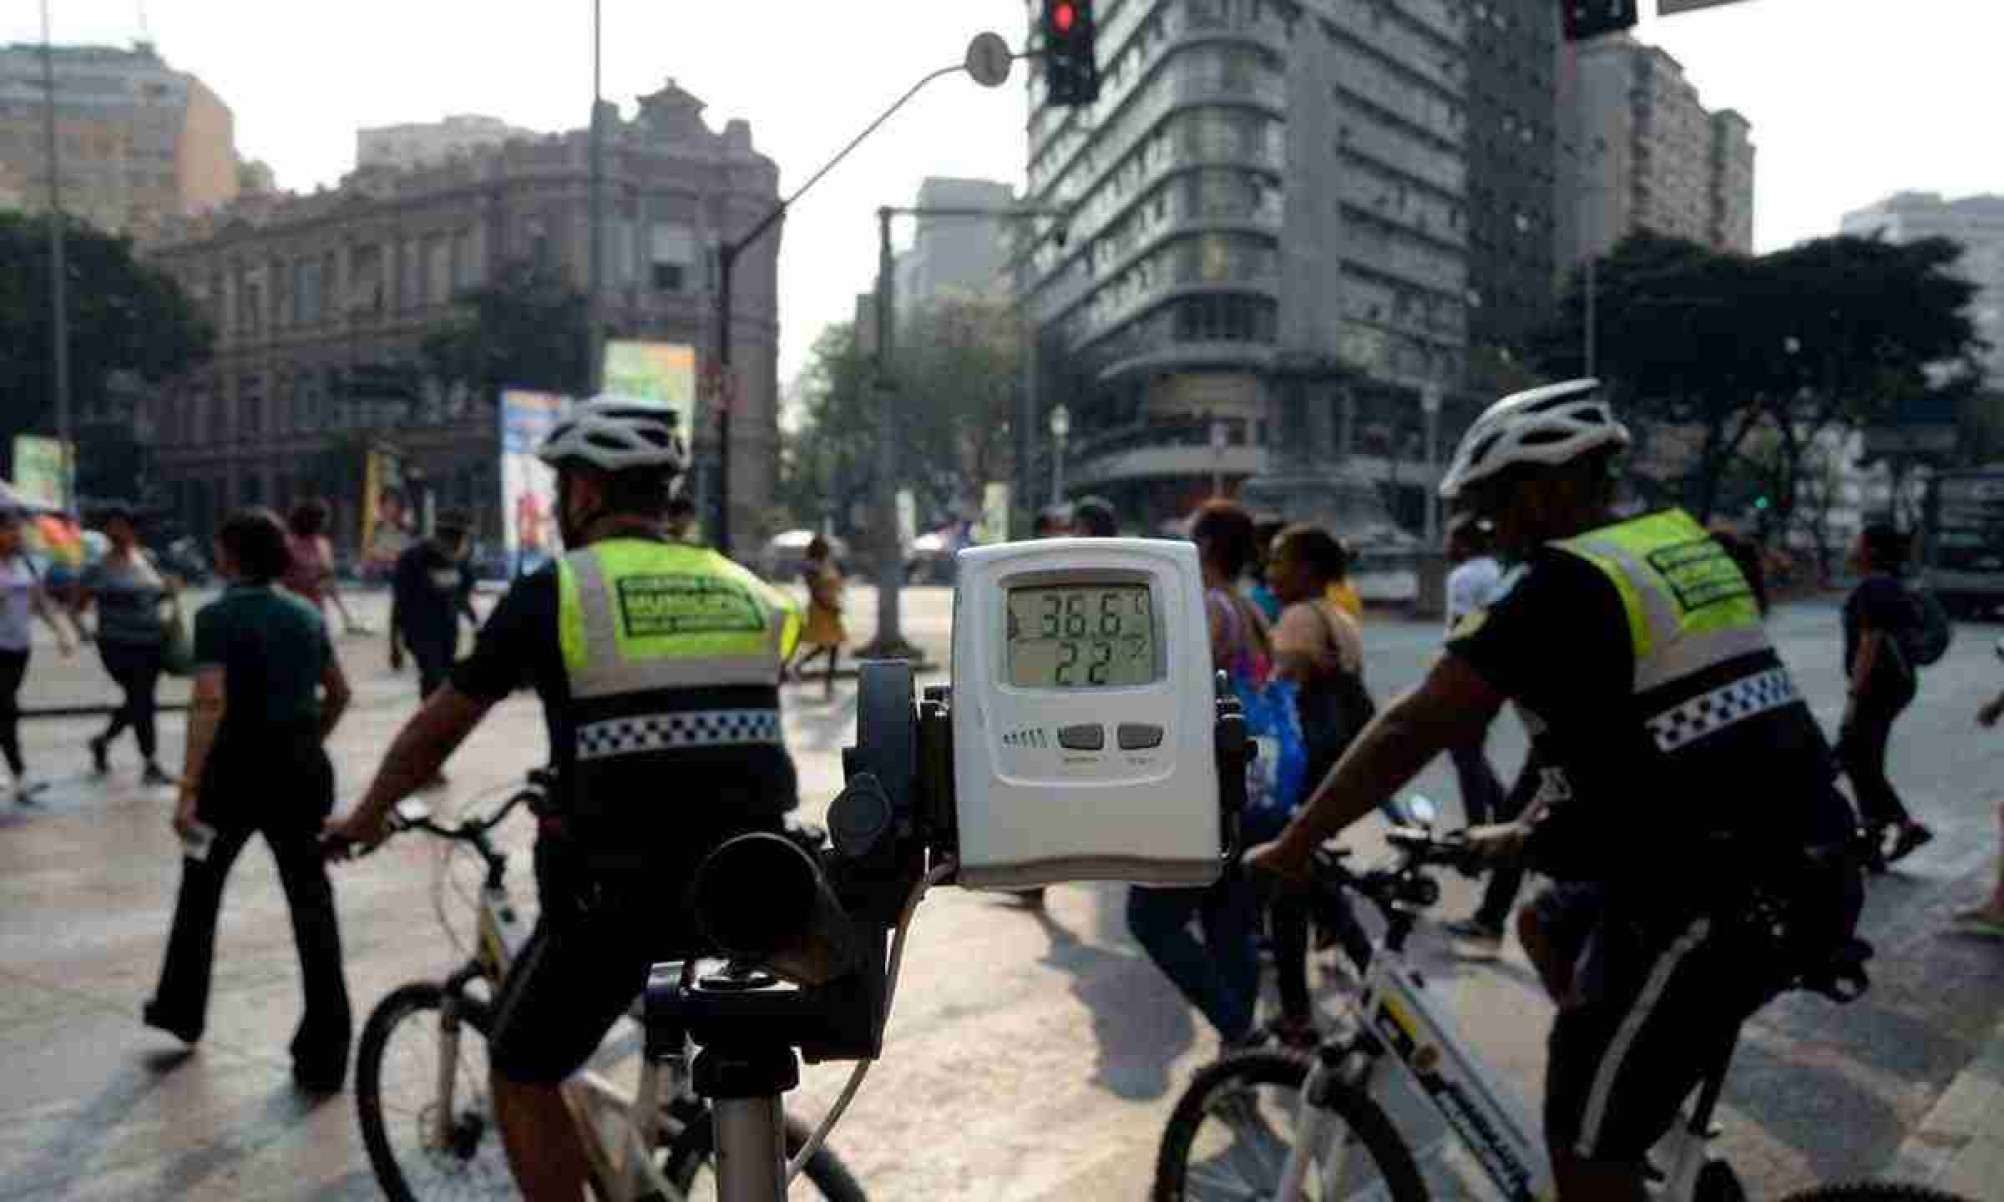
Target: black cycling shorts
[583,966]
[1656,1004]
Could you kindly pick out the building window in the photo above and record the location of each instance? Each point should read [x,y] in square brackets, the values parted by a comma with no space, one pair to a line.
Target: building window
[250,406]
[671,255]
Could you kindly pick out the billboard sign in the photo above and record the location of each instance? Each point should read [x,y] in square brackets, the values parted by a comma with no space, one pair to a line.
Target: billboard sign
[658,371]
[528,485]
[40,468]
[386,517]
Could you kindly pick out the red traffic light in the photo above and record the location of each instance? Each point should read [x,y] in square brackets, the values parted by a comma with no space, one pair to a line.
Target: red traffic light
[1063,17]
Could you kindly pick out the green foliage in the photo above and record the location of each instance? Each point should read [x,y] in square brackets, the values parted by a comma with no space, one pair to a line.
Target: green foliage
[124,316]
[1833,333]
[525,328]
[957,372]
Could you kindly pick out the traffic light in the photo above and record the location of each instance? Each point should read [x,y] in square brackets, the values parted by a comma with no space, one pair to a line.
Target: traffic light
[1591,18]
[1071,73]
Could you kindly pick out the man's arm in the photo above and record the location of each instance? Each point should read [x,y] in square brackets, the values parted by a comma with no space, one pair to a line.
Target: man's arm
[1450,706]
[414,757]
[46,610]
[205,716]
[334,698]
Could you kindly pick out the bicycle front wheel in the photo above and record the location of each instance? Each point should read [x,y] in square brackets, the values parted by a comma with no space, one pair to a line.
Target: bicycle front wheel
[407,1062]
[1874,1191]
[1231,1132]
[690,1162]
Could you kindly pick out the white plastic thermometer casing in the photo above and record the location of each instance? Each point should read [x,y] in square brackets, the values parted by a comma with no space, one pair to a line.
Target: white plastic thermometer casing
[1037,801]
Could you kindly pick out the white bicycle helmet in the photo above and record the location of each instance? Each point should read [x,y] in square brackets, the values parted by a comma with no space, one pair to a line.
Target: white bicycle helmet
[614,434]
[1543,426]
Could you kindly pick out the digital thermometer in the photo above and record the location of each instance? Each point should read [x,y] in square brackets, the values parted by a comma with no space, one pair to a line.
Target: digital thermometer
[1083,714]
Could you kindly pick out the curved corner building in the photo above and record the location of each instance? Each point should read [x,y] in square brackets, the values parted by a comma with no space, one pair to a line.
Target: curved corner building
[1259,182]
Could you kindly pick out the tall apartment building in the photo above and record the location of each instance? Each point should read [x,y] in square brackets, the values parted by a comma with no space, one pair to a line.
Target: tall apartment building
[955,255]
[1977,223]
[421,143]
[1650,156]
[1512,146]
[138,143]
[1268,196]
[312,295]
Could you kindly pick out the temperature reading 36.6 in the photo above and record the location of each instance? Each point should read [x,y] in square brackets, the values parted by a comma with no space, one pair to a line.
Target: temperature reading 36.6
[1081,636]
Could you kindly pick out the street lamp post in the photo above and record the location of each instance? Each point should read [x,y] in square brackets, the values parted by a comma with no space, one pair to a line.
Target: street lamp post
[1218,443]
[1061,429]
[59,308]
[987,62]
[1430,400]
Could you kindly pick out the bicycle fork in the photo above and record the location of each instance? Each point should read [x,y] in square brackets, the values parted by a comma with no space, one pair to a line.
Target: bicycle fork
[440,1134]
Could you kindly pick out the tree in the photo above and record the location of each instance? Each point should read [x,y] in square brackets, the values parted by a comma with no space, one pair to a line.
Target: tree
[127,321]
[525,328]
[957,368]
[826,466]
[1824,336]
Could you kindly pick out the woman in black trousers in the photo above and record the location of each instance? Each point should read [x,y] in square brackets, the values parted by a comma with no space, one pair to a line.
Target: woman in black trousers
[267,692]
[1882,684]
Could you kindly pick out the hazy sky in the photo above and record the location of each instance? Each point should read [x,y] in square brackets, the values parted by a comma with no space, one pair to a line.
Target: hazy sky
[1849,99]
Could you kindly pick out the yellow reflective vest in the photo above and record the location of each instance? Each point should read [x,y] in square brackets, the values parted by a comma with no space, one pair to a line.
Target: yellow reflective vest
[673,656]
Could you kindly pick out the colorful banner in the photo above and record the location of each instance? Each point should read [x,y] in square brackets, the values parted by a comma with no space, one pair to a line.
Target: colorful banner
[528,485]
[40,466]
[386,518]
[658,371]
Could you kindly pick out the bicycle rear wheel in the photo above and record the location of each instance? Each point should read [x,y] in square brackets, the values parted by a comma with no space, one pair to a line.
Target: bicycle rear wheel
[1231,1132]
[689,1161]
[1874,1191]
[418,1154]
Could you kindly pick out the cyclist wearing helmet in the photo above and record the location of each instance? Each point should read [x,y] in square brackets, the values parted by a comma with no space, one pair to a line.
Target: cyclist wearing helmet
[1675,752]
[658,665]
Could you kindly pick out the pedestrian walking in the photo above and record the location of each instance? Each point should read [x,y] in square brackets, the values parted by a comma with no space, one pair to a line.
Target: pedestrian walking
[1320,649]
[128,589]
[1988,918]
[824,633]
[431,588]
[22,599]
[1471,586]
[1259,590]
[1218,973]
[267,692]
[1882,682]
[310,571]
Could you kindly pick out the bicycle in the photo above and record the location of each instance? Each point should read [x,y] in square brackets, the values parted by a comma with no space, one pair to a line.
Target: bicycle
[420,1089]
[1399,1087]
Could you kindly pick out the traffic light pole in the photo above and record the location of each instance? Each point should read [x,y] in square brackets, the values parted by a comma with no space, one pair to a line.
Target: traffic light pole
[727,257]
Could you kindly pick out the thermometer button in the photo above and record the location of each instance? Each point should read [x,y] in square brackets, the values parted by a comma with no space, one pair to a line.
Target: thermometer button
[1088,737]
[1134,736]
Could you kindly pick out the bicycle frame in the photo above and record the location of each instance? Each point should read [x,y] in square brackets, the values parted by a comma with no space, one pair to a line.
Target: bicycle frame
[1412,1059]
[617,1128]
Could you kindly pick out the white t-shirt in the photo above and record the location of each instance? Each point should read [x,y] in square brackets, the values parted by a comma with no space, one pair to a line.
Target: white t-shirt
[17,594]
[1471,586]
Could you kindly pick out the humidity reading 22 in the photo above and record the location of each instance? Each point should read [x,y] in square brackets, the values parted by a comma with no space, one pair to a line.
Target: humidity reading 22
[1081,636]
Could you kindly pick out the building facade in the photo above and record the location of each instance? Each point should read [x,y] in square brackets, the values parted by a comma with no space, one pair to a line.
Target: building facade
[1512,143]
[955,255]
[318,299]
[1650,156]
[419,144]
[138,143]
[1225,131]
[1977,224]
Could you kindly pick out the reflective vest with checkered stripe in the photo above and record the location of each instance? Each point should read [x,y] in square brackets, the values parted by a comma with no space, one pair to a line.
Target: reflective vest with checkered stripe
[1690,613]
[669,647]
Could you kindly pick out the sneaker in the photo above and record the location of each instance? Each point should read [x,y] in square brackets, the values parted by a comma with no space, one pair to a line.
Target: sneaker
[1475,936]
[152,776]
[187,1034]
[25,790]
[1912,837]
[1982,920]
[99,764]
